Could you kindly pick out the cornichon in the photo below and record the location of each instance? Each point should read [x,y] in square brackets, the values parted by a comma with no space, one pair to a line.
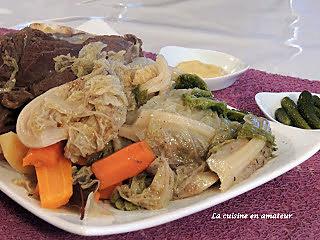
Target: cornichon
[282,116]
[317,111]
[291,109]
[316,101]
[306,108]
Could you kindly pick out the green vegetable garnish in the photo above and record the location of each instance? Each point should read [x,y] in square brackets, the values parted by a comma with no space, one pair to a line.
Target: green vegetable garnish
[227,130]
[256,127]
[129,206]
[204,103]
[250,131]
[119,204]
[235,115]
[186,81]
[141,97]
[108,150]
[197,92]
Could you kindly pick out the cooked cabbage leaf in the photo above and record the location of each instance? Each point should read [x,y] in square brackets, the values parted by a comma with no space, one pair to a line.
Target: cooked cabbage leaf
[230,160]
[88,112]
[226,131]
[155,196]
[192,179]
[238,150]
[178,138]
[173,130]
[256,127]
[84,177]
[172,102]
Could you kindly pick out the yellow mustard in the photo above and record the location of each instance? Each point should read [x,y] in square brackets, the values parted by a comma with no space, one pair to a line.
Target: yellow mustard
[201,69]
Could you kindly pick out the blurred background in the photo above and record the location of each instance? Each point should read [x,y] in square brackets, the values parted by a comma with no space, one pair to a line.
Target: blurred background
[279,36]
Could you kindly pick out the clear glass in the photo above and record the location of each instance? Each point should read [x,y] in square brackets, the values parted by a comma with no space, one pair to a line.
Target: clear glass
[121,8]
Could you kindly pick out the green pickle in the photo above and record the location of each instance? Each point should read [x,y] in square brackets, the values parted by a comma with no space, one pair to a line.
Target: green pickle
[306,108]
[317,111]
[291,109]
[282,116]
[316,101]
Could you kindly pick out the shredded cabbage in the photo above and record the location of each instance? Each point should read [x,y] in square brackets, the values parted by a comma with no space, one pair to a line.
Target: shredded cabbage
[90,111]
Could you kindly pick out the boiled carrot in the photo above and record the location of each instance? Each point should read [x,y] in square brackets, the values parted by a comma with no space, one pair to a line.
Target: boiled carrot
[123,164]
[54,175]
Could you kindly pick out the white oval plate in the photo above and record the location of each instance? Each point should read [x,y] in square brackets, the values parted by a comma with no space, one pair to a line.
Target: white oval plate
[294,147]
[232,65]
[269,102]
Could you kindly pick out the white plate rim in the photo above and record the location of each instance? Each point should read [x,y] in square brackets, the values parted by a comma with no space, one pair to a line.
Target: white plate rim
[163,217]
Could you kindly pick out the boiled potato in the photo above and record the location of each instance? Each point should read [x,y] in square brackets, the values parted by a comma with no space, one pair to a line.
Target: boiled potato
[14,152]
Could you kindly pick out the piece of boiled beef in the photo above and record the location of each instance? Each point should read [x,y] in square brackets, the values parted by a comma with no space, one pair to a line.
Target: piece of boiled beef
[130,43]
[33,51]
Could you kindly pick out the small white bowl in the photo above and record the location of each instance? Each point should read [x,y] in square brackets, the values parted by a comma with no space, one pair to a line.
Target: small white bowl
[230,64]
[269,102]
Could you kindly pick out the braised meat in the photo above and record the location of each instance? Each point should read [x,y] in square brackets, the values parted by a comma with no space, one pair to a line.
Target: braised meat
[7,119]
[16,98]
[130,43]
[27,66]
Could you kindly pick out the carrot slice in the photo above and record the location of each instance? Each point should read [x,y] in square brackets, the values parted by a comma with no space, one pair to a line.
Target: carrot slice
[44,156]
[54,175]
[126,163]
[106,192]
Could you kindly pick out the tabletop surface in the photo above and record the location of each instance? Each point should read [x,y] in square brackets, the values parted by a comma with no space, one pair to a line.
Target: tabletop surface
[279,36]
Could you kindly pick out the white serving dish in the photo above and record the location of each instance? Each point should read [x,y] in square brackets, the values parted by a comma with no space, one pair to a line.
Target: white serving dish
[269,102]
[230,64]
[294,147]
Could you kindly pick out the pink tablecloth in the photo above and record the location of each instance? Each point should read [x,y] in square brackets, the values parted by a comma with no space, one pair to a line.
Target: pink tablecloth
[296,192]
